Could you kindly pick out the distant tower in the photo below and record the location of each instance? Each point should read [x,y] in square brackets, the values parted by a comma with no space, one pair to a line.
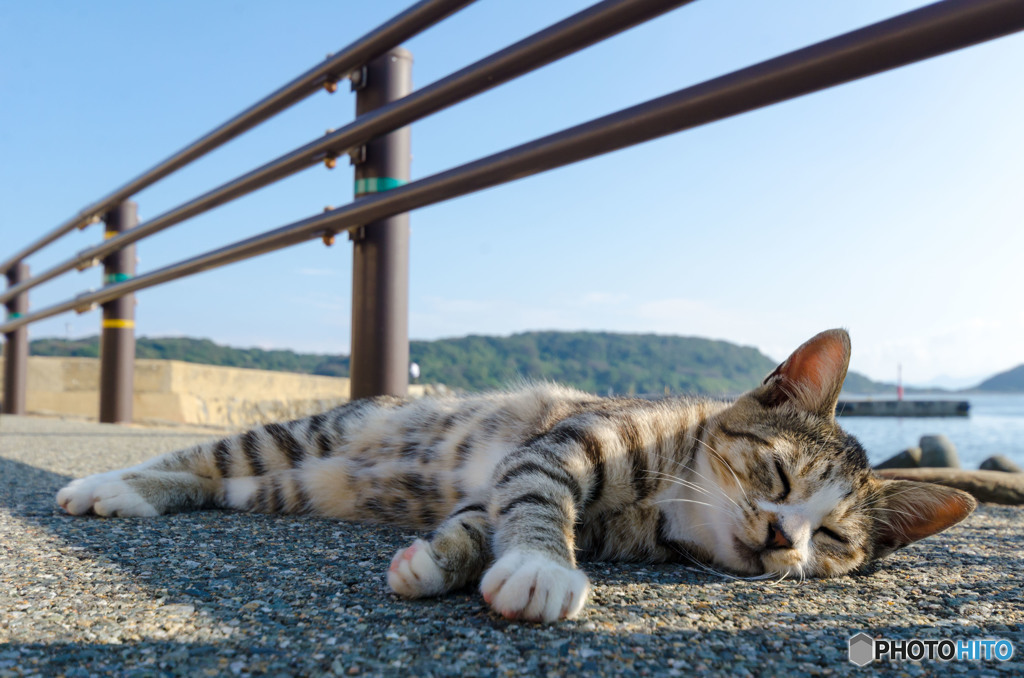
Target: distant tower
[899,381]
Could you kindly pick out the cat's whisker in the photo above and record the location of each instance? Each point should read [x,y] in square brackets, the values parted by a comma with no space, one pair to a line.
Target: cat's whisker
[691,501]
[710,570]
[899,512]
[777,577]
[689,485]
[827,441]
[727,465]
[682,465]
[715,486]
[872,500]
[700,566]
[673,460]
[680,481]
[762,577]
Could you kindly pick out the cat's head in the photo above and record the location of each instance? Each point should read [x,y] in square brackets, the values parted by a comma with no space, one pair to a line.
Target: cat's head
[795,494]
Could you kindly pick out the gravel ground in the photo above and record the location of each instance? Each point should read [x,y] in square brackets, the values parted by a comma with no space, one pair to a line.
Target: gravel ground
[228,594]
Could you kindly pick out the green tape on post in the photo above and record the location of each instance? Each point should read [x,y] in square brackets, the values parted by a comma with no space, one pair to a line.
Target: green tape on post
[377,184]
[11,315]
[113,278]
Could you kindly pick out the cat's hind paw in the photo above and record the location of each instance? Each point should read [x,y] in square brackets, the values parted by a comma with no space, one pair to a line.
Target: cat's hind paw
[524,585]
[414,573]
[105,494]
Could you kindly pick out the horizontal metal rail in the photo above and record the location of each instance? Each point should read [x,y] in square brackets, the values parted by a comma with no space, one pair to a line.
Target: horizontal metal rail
[570,35]
[389,34]
[907,38]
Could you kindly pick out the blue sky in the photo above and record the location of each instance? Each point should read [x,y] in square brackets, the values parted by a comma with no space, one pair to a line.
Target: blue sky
[891,206]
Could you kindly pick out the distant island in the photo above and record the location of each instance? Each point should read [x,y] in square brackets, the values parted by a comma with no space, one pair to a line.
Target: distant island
[1010,381]
[598,362]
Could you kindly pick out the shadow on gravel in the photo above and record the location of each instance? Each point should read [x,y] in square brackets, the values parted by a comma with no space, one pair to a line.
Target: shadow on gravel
[581,652]
[211,556]
[249,594]
[29,491]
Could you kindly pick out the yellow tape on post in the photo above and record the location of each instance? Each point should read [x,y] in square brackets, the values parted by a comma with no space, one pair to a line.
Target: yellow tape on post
[118,323]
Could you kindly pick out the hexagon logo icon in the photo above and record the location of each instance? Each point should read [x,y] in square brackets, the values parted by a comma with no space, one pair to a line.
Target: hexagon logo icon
[862,649]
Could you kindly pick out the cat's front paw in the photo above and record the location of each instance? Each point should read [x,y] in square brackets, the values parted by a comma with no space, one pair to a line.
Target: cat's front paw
[414,573]
[105,494]
[524,585]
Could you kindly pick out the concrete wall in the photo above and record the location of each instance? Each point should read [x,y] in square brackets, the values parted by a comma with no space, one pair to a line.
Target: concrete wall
[170,391]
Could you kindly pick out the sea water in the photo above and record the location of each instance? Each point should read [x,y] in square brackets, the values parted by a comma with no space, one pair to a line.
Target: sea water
[995,425]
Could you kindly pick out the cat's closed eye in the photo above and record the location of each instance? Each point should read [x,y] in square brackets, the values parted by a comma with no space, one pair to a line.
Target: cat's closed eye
[831,534]
[785,482]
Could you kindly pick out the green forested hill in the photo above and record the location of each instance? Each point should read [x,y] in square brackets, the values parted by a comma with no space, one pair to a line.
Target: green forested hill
[593,361]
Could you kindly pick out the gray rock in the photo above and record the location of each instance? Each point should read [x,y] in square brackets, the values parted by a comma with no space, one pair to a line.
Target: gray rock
[908,458]
[1000,462]
[938,451]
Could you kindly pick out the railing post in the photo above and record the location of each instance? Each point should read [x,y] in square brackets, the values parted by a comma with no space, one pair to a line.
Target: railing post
[380,273]
[117,341]
[16,346]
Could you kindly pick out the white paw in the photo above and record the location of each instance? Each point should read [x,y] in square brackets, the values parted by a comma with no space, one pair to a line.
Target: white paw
[524,585]
[105,494]
[414,573]
[77,496]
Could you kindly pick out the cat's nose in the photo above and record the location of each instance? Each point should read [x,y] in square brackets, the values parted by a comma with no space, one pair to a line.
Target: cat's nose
[777,539]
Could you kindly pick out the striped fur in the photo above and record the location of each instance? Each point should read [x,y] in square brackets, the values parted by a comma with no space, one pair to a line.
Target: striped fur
[516,486]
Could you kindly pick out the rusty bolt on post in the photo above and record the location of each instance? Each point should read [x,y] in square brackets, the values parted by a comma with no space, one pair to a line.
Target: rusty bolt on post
[89,263]
[94,219]
[328,236]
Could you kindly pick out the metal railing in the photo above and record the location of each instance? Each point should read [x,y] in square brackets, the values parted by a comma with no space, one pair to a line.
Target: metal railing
[377,142]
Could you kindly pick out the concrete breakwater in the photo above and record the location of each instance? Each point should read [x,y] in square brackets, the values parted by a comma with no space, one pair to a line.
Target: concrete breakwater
[903,408]
[171,391]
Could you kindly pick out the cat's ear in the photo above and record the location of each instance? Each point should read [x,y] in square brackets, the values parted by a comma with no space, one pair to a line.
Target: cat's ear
[907,510]
[812,377]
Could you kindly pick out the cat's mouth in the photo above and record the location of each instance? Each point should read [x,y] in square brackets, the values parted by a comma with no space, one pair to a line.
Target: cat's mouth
[764,559]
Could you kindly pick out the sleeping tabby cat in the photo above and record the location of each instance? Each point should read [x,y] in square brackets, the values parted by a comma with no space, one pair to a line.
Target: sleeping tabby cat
[517,486]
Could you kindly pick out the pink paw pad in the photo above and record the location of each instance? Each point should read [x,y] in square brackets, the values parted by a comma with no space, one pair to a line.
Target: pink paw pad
[405,554]
[414,573]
